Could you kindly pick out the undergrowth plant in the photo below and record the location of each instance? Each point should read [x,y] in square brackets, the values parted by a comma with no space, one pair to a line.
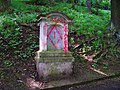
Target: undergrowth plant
[23,40]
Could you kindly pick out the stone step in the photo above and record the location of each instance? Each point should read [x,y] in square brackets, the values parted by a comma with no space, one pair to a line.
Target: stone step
[54,56]
[58,53]
[56,59]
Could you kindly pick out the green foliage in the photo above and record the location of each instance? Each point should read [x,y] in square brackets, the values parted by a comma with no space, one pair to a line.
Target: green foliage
[13,34]
[22,40]
[102,4]
[89,24]
[16,4]
[105,4]
[27,18]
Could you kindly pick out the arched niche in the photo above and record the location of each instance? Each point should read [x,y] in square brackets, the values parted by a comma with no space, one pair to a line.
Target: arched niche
[53,31]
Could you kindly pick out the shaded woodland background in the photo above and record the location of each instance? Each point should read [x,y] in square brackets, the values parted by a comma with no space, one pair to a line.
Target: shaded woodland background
[94,34]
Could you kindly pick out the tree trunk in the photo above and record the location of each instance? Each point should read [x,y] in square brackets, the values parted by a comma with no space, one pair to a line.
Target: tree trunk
[115,16]
[88,3]
[115,13]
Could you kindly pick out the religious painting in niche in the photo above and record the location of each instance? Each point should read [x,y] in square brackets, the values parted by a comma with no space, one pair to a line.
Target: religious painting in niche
[55,37]
[54,32]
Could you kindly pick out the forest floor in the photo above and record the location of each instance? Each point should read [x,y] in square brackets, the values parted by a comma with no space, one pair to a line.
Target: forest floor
[17,74]
[23,76]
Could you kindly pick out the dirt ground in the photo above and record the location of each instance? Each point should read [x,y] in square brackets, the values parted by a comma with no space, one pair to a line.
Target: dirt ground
[19,76]
[109,84]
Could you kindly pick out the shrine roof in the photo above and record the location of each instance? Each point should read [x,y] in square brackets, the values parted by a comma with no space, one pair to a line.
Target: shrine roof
[54,13]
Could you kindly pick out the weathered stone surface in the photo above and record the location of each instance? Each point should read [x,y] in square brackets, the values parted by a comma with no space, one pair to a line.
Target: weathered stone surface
[54,56]
[55,53]
[54,70]
[54,65]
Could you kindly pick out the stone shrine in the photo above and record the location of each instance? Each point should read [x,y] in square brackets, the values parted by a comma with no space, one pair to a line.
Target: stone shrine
[54,60]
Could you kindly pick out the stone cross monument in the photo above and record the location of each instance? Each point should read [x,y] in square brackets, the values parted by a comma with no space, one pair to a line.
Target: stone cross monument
[53,60]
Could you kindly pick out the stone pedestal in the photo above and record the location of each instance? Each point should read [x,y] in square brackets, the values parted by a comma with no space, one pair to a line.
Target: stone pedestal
[54,64]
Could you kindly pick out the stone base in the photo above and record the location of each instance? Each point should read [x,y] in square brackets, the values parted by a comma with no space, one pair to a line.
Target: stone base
[52,65]
[55,70]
